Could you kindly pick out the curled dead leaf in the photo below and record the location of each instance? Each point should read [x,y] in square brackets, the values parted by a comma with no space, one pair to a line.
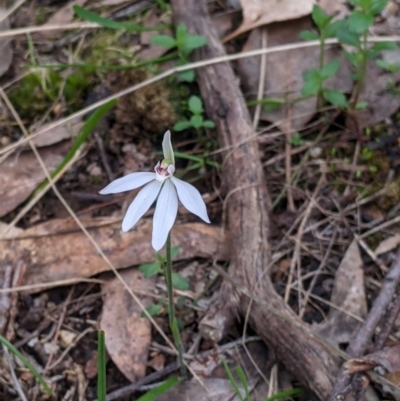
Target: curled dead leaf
[262,12]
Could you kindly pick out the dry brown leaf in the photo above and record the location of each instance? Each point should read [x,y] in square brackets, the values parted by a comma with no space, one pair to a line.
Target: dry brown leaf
[252,361]
[58,134]
[59,250]
[388,244]
[284,72]
[112,2]
[338,8]
[262,12]
[14,231]
[127,334]
[150,51]
[217,390]
[6,53]
[349,295]
[21,174]
[63,16]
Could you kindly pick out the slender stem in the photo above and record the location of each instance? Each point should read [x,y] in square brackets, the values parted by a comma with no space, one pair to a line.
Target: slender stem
[361,72]
[173,323]
[320,97]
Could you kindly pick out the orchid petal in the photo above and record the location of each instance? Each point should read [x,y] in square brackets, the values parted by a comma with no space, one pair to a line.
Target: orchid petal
[167,147]
[140,204]
[165,214]
[191,198]
[127,183]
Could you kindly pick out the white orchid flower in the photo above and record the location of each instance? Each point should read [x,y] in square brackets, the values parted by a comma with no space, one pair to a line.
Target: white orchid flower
[168,188]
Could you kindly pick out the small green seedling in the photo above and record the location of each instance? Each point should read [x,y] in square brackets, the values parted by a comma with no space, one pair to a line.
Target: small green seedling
[314,84]
[185,43]
[195,106]
[178,282]
[152,269]
[296,139]
[351,31]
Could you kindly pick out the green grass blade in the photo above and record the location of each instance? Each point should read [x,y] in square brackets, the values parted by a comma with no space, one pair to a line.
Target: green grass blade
[242,377]
[288,393]
[101,367]
[111,24]
[27,364]
[231,379]
[86,130]
[161,389]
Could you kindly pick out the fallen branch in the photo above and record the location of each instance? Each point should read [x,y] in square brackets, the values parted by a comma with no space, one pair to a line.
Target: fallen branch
[248,221]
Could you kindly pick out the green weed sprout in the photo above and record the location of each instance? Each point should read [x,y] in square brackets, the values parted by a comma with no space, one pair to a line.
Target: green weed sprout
[314,79]
[351,31]
[195,106]
[185,43]
[157,267]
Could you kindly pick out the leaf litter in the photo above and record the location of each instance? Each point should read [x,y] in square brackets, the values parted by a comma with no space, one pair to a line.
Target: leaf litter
[53,249]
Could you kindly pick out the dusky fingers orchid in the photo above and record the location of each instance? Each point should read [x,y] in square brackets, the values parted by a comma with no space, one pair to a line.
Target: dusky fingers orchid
[168,188]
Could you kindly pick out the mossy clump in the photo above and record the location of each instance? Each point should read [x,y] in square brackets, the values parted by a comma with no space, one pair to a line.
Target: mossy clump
[148,109]
[39,89]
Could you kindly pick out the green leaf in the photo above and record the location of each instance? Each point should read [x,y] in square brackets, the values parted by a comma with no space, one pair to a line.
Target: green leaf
[347,38]
[296,139]
[195,105]
[196,121]
[308,35]
[377,6]
[101,367]
[353,58]
[181,33]
[179,282]
[312,83]
[384,65]
[361,105]
[208,124]
[153,310]
[150,269]
[180,303]
[111,24]
[320,17]
[174,251]
[358,22]
[187,76]
[163,40]
[331,30]
[182,125]
[335,97]
[310,88]
[330,69]
[384,46]
[161,389]
[192,42]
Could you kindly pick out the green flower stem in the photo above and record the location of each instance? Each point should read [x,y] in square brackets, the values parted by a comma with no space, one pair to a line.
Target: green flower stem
[362,72]
[320,96]
[173,323]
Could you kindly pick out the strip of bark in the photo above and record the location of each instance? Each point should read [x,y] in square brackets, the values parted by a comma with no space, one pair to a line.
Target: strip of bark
[247,209]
